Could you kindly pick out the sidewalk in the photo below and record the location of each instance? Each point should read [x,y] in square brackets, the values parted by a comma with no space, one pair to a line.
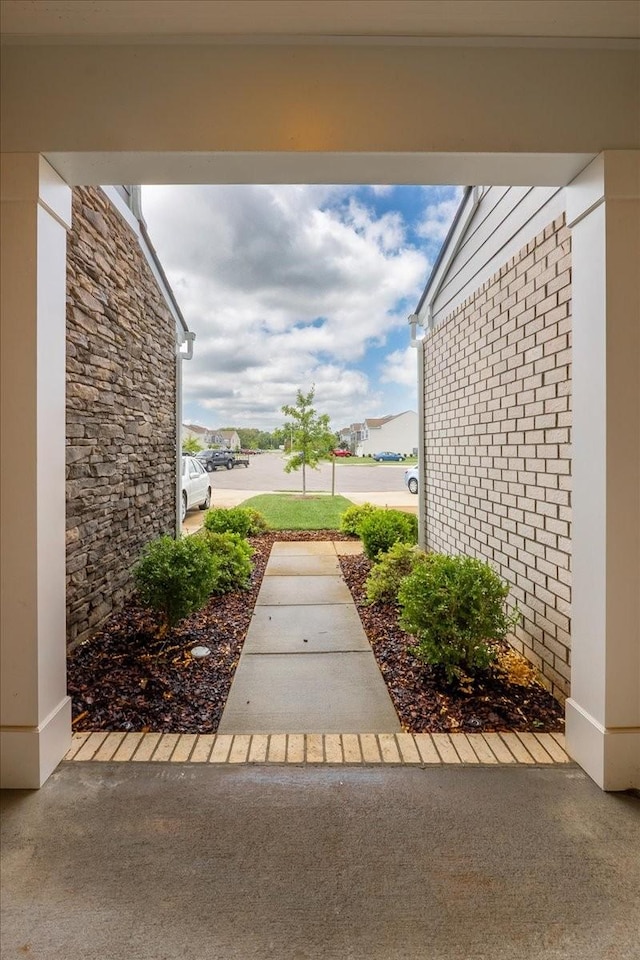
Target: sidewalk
[306,665]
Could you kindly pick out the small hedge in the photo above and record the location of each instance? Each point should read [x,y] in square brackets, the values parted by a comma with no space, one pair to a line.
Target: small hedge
[455,607]
[352,518]
[382,528]
[383,582]
[241,520]
[231,558]
[174,577]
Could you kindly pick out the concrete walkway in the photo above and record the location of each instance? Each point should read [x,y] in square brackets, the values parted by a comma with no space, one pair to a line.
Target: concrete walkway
[306,665]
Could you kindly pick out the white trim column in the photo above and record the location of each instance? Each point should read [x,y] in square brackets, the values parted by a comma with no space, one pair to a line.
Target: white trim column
[603,714]
[35,718]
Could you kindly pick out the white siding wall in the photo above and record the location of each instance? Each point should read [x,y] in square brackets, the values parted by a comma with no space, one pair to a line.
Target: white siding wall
[506,219]
[399,435]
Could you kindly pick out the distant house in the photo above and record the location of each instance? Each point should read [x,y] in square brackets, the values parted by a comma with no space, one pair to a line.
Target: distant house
[344,436]
[398,432]
[223,439]
[192,431]
[229,439]
[352,435]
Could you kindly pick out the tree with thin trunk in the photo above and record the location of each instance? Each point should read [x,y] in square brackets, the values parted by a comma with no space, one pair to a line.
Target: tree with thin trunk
[311,437]
[191,445]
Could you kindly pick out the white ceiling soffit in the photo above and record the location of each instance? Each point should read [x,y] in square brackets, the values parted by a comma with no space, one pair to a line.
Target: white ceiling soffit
[535,169]
[155,20]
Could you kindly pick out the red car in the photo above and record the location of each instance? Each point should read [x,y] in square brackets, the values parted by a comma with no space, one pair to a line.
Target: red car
[342,453]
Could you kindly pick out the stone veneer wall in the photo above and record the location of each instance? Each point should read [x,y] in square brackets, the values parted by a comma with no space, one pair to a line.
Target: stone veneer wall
[121,384]
[498,430]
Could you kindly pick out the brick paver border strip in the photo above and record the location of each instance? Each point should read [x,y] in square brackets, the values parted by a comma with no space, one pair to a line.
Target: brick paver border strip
[313,749]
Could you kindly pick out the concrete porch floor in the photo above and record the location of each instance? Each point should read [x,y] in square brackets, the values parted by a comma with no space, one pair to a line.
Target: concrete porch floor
[143,862]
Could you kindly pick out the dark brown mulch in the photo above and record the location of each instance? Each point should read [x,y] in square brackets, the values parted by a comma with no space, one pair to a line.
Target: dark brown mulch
[122,679]
[426,705]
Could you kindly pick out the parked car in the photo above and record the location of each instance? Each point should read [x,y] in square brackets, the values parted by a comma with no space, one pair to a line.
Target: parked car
[341,453]
[212,459]
[196,486]
[388,455]
[411,479]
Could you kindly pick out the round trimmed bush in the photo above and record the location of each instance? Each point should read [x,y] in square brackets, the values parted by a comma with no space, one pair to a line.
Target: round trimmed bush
[353,516]
[455,607]
[382,528]
[174,577]
[258,523]
[231,558]
[388,573]
[231,520]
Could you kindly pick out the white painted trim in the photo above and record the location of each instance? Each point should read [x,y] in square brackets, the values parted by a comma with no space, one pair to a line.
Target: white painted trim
[522,169]
[611,756]
[126,213]
[54,194]
[453,245]
[31,754]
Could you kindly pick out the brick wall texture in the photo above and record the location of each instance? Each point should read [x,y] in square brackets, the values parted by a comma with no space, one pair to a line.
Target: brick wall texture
[120,411]
[498,431]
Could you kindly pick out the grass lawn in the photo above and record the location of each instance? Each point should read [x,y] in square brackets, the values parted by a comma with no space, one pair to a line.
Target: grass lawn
[292,511]
[370,462]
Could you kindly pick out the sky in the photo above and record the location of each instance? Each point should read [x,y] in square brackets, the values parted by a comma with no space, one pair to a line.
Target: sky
[287,287]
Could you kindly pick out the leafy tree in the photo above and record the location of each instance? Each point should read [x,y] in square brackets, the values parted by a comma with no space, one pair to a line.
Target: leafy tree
[311,438]
[191,445]
[281,436]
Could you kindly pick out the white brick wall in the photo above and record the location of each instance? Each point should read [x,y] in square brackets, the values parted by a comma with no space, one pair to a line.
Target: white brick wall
[498,433]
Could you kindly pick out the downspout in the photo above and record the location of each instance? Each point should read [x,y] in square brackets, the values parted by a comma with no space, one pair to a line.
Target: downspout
[183,336]
[418,343]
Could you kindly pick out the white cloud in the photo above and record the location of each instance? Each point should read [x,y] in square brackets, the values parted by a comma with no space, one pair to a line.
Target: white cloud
[400,367]
[284,286]
[438,216]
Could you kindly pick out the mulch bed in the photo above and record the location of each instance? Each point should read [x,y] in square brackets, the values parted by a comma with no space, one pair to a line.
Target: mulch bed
[424,704]
[124,679]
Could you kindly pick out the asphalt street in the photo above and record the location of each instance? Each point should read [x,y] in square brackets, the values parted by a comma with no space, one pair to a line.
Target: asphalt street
[266,472]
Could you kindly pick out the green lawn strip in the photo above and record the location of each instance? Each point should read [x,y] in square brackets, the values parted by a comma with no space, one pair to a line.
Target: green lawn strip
[292,511]
[369,462]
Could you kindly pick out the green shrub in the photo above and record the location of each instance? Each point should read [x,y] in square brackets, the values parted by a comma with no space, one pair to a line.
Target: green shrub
[258,522]
[352,518]
[230,520]
[455,607]
[392,567]
[231,557]
[174,577]
[382,528]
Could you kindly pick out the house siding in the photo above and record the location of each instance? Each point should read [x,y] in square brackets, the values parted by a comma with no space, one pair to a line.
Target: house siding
[400,434]
[120,411]
[504,222]
[497,440]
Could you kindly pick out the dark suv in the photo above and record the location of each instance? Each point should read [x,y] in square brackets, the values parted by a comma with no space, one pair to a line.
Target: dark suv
[212,459]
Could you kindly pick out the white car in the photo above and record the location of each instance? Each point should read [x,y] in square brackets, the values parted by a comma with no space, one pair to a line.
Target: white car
[196,486]
[411,479]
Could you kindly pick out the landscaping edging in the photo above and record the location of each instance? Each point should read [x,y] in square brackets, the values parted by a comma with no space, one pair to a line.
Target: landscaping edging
[403,749]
